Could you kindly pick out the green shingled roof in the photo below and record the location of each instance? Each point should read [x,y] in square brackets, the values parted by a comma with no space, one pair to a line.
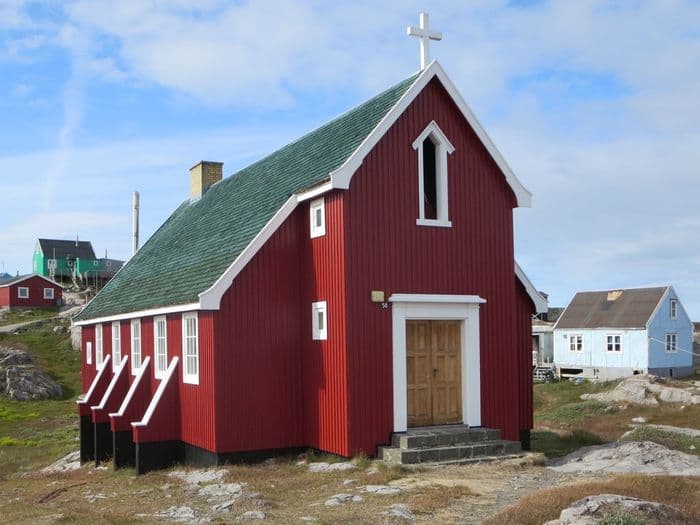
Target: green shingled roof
[200,240]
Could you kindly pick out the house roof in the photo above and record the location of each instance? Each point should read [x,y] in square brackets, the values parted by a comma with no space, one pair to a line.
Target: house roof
[627,308]
[10,280]
[66,248]
[192,259]
[201,239]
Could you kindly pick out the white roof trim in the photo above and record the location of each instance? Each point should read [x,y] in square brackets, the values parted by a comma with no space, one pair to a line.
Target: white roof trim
[112,384]
[341,176]
[132,389]
[100,372]
[177,308]
[540,302]
[158,395]
[12,283]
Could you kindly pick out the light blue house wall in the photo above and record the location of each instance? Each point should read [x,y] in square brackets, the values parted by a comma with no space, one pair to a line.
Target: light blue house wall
[660,325]
[595,360]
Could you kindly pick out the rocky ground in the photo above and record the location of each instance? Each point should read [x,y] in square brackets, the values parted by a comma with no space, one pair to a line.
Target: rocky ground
[22,380]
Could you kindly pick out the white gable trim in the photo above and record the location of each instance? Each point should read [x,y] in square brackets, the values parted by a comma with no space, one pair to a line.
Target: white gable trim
[169,373]
[434,129]
[342,176]
[117,374]
[132,389]
[540,302]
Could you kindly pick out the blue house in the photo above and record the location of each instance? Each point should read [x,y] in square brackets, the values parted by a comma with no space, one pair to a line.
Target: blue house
[617,333]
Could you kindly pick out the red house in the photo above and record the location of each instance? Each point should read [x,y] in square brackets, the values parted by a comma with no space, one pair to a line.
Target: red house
[30,291]
[353,285]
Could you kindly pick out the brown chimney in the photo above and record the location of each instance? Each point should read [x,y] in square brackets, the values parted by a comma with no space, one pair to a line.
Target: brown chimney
[202,176]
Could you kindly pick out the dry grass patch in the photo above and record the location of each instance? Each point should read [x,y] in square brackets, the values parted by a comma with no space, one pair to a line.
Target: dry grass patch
[535,509]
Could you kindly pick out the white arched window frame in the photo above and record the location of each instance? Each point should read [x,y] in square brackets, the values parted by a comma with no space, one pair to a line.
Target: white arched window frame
[443,147]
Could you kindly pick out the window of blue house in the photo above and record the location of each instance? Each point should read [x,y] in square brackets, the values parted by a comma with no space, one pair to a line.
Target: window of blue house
[671,343]
[674,308]
[575,343]
[614,343]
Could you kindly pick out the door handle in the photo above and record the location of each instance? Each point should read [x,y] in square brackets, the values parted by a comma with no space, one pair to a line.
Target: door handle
[435,372]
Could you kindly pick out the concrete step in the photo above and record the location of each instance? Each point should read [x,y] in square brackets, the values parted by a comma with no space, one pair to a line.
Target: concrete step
[443,436]
[456,452]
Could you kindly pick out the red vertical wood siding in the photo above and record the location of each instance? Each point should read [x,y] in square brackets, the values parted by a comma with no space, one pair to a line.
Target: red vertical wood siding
[9,295]
[325,362]
[114,398]
[525,309]
[258,362]
[135,410]
[386,250]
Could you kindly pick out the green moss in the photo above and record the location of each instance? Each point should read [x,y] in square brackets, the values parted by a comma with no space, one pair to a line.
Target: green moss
[7,441]
[669,439]
[555,445]
[573,412]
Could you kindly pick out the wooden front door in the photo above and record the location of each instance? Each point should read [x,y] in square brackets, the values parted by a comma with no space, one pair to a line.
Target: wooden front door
[434,377]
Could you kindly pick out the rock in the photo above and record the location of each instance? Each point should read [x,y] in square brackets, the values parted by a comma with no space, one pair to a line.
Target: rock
[181,514]
[338,499]
[400,510]
[382,490]
[27,382]
[67,463]
[58,329]
[198,477]
[221,491]
[592,509]
[13,356]
[644,390]
[308,519]
[639,420]
[252,515]
[372,471]
[347,482]
[330,467]
[642,457]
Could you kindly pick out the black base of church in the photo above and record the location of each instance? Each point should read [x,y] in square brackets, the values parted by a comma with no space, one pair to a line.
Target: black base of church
[164,454]
[87,439]
[525,440]
[103,442]
[123,449]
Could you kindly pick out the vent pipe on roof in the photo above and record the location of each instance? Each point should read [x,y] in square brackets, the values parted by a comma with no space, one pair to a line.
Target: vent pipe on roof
[134,224]
[76,241]
[202,176]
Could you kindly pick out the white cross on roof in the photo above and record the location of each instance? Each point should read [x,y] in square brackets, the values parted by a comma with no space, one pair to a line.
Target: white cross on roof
[425,35]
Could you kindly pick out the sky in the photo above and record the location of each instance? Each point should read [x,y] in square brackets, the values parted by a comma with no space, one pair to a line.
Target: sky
[594,104]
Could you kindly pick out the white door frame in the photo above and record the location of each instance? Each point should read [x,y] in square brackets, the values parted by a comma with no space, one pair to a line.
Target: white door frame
[463,308]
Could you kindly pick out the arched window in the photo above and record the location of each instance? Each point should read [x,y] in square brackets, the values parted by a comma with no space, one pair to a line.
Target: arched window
[433,147]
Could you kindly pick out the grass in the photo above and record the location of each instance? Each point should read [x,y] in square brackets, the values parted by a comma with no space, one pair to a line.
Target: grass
[672,440]
[682,493]
[38,432]
[557,444]
[559,409]
[9,317]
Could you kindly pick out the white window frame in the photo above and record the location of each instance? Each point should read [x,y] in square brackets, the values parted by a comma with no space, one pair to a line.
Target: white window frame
[190,357]
[116,345]
[48,293]
[136,357]
[22,292]
[610,340]
[674,308]
[319,330]
[88,352]
[575,342]
[99,347]
[671,343]
[443,147]
[316,206]
[161,365]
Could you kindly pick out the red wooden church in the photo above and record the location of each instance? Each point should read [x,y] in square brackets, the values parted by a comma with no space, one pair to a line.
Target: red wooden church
[356,283]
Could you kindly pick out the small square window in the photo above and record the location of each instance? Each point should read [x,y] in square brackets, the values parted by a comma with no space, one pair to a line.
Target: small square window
[318,218]
[319,320]
[614,343]
[23,292]
[674,308]
[48,293]
[575,343]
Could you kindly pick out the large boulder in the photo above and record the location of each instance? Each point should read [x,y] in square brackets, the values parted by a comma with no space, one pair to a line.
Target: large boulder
[593,509]
[646,390]
[21,380]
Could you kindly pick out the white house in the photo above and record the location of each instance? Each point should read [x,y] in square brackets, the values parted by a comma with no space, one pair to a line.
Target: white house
[617,333]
